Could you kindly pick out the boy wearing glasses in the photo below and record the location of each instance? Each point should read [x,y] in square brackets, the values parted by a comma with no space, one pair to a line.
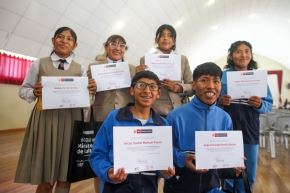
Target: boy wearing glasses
[201,114]
[145,89]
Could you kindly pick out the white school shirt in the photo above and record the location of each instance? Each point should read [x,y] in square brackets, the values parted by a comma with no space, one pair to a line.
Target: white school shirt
[26,89]
[160,52]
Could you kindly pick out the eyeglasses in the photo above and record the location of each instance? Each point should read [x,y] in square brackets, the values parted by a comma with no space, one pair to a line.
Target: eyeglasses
[143,85]
[115,45]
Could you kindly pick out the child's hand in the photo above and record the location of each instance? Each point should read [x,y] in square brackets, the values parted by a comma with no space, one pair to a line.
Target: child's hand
[225,100]
[119,177]
[255,102]
[239,170]
[37,91]
[92,86]
[190,163]
[189,159]
[140,68]
[168,173]
[171,86]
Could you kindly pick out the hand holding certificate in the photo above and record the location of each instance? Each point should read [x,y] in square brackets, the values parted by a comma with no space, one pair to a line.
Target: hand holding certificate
[219,149]
[139,149]
[244,84]
[111,76]
[166,66]
[64,92]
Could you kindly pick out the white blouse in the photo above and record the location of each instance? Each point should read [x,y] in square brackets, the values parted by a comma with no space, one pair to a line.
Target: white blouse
[26,89]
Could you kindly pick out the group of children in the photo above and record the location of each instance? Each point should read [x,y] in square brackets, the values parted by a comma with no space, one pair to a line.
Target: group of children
[148,102]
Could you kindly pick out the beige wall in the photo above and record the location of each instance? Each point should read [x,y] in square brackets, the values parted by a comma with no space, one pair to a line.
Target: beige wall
[14,112]
[269,64]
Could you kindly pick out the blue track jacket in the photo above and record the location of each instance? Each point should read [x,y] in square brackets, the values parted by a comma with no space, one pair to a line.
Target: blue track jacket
[101,158]
[191,117]
[245,117]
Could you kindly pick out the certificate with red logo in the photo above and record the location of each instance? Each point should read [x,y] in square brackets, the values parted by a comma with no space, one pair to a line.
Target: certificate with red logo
[64,92]
[219,149]
[166,66]
[111,76]
[244,84]
[142,148]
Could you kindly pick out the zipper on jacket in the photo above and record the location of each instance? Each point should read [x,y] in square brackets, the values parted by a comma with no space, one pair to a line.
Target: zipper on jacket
[205,124]
[205,129]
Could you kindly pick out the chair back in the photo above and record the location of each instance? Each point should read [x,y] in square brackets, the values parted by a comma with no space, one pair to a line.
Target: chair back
[283,123]
[272,118]
[264,124]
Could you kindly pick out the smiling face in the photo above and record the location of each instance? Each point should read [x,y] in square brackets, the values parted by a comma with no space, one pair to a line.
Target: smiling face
[115,50]
[242,57]
[64,44]
[207,88]
[165,41]
[145,91]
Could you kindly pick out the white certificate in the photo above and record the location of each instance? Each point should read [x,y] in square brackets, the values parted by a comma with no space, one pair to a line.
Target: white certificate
[143,148]
[64,92]
[244,84]
[219,149]
[166,66]
[111,76]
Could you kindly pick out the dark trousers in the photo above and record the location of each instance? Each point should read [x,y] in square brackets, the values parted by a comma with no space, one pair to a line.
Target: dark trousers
[186,181]
[135,183]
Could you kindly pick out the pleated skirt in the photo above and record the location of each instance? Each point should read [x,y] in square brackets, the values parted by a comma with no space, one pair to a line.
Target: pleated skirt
[45,150]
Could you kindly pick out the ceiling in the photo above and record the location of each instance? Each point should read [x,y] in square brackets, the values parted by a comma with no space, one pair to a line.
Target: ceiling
[205,28]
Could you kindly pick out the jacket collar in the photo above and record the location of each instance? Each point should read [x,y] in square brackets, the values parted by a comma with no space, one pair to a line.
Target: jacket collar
[200,105]
[124,114]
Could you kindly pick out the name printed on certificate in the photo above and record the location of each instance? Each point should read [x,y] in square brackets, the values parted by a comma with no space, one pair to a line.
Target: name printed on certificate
[244,84]
[219,149]
[142,148]
[64,92]
[111,76]
[166,66]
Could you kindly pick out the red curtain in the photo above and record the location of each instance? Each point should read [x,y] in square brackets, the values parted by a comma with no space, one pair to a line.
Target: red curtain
[279,74]
[13,69]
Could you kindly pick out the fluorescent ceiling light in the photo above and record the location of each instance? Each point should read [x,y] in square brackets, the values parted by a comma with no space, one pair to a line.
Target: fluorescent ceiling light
[214,27]
[210,2]
[178,23]
[119,25]
[252,15]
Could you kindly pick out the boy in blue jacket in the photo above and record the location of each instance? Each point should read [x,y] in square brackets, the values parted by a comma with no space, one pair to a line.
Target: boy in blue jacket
[201,114]
[145,88]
